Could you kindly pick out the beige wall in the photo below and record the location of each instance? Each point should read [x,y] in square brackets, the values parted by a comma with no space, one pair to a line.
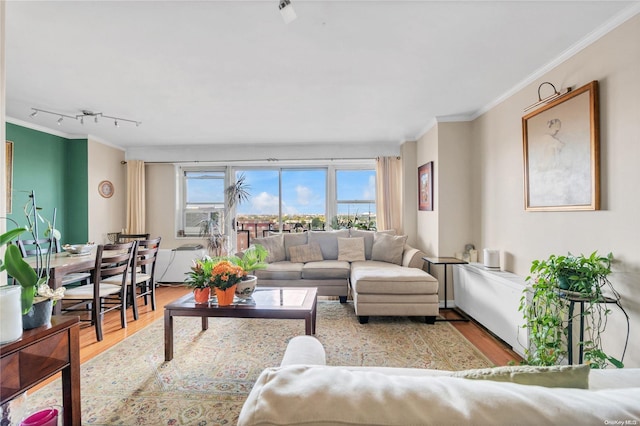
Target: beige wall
[106,214]
[496,210]
[428,237]
[161,205]
[410,201]
[447,229]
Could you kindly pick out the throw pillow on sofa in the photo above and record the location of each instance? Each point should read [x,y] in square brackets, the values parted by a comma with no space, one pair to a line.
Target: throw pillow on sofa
[328,241]
[292,240]
[351,249]
[368,238]
[305,253]
[275,247]
[388,248]
[557,376]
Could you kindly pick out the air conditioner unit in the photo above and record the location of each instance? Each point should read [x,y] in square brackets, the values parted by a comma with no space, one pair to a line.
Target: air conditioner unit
[173,265]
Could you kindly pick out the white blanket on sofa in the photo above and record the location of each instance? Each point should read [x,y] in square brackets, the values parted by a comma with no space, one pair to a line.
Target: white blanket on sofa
[321,395]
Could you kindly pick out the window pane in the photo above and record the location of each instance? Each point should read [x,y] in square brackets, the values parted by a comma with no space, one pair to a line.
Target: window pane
[356,185]
[304,194]
[356,215]
[260,212]
[204,187]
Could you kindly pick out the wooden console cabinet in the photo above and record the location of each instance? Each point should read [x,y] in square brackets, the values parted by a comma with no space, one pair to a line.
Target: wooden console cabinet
[38,355]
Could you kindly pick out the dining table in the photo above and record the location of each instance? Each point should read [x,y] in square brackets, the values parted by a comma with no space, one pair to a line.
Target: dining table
[64,263]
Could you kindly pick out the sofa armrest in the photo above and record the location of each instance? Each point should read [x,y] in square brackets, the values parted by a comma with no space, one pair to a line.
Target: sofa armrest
[412,257]
[304,350]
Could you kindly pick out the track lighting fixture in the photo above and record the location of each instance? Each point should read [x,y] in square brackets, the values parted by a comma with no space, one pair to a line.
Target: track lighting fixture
[287,12]
[81,117]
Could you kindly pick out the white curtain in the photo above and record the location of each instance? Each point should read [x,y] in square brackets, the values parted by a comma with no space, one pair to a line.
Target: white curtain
[389,193]
[135,197]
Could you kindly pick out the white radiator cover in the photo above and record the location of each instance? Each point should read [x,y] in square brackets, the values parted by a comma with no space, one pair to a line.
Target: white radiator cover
[492,298]
[172,265]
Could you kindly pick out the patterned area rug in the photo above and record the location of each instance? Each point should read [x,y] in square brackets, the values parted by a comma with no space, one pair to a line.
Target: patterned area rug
[212,372]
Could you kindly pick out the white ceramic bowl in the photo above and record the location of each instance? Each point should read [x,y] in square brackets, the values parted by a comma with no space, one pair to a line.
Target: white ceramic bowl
[77,248]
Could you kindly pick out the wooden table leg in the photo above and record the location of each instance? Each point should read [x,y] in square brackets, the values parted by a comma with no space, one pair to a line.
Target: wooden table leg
[55,281]
[308,326]
[168,335]
[205,323]
[72,411]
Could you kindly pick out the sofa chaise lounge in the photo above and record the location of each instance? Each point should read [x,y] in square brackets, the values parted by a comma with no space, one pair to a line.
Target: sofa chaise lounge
[384,274]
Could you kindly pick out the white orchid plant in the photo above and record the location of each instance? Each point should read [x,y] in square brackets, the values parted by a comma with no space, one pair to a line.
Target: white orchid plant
[46,292]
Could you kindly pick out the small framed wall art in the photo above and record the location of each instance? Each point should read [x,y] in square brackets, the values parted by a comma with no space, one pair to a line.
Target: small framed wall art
[562,153]
[105,188]
[425,187]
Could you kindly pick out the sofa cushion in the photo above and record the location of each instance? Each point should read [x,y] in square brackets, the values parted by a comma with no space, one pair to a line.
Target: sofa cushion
[274,245]
[388,248]
[368,238]
[292,240]
[326,270]
[321,395]
[351,249]
[280,271]
[387,278]
[328,241]
[557,376]
[305,253]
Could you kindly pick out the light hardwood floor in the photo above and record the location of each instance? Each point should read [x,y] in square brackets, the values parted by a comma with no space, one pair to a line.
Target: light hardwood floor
[492,348]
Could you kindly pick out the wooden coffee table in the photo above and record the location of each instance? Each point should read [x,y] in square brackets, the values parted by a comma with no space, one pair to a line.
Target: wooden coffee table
[267,302]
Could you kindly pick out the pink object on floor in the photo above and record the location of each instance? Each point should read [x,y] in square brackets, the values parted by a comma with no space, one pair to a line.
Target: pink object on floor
[46,417]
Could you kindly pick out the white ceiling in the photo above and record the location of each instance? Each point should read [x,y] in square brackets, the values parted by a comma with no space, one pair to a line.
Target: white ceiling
[231,72]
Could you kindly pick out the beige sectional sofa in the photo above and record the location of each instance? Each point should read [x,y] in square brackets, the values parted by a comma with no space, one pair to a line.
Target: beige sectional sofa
[303,390]
[384,274]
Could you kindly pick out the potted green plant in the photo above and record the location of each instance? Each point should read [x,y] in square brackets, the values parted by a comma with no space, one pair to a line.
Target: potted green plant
[553,284]
[251,260]
[210,231]
[237,192]
[199,279]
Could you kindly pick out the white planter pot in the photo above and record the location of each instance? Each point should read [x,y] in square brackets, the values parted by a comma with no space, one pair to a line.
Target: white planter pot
[245,288]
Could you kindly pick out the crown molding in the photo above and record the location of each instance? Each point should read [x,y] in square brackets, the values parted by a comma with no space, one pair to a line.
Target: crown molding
[591,38]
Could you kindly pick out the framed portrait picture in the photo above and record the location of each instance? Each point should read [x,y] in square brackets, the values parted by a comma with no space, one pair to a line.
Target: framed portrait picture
[562,153]
[425,187]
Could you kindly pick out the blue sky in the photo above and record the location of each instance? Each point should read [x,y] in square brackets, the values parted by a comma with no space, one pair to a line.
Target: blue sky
[303,191]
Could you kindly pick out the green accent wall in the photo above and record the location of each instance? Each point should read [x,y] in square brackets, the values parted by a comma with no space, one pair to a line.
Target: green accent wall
[76,199]
[56,169]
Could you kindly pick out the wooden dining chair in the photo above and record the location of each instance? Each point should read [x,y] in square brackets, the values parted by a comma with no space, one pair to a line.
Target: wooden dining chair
[46,245]
[141,279]
[100,297]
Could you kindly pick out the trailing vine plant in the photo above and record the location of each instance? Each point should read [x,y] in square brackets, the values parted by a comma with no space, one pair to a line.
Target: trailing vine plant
[556,281]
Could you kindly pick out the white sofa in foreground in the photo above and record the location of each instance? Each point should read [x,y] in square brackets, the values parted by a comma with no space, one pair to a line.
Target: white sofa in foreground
[305,391]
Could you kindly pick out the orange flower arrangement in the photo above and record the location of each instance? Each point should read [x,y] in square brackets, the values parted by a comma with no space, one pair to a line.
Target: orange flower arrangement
[225,274]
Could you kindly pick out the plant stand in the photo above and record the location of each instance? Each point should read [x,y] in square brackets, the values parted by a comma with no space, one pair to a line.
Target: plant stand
[572,302]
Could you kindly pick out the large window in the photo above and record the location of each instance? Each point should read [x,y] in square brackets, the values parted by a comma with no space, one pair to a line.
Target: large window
[286,199]
[203,200]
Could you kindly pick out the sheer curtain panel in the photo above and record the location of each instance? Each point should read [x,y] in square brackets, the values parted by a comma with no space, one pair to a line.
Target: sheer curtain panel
[135,197]
[389,193]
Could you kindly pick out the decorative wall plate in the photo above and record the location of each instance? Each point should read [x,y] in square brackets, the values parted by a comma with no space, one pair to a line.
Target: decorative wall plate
[105,188]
